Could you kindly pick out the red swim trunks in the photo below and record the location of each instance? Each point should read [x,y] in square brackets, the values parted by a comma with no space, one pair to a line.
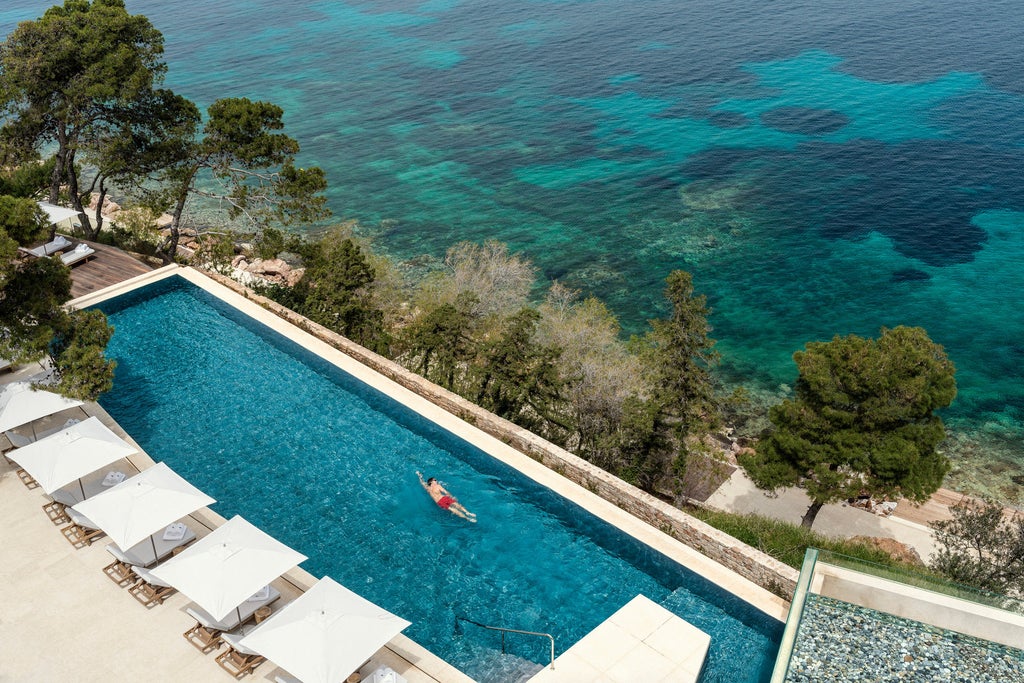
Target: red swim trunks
[445,502]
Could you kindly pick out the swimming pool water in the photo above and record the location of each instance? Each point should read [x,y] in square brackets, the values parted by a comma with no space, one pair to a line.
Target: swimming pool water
[327,465]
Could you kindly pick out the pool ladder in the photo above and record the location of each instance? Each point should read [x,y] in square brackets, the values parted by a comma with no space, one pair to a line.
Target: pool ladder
[509,630]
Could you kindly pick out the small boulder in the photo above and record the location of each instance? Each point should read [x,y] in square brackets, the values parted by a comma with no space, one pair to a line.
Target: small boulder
[294,276]
[275,266]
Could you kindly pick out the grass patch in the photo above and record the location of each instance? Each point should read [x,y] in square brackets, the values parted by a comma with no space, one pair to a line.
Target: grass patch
[787,542]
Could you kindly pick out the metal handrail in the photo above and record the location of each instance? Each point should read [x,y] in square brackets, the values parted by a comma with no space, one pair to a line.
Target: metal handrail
[510,630]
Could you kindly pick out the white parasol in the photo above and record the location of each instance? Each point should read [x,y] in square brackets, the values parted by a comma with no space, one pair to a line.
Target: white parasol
[224,569]
[141,506]
[72,453]
[20,403]
[325,634]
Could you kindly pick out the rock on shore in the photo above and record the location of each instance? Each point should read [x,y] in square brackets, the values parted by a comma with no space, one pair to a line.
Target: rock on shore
[275,271]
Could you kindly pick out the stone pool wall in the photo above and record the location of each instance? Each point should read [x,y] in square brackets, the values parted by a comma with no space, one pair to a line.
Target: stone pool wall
[746,561]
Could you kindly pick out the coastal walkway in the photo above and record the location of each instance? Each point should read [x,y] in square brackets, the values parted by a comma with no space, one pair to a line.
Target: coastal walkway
[908,525]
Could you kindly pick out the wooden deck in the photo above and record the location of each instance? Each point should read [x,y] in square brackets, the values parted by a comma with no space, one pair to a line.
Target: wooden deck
[108,266]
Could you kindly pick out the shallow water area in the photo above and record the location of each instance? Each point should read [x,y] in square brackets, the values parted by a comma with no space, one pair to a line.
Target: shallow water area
[327,465]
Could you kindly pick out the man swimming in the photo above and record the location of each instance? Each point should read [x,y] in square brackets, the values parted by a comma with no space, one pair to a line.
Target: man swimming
[445,500]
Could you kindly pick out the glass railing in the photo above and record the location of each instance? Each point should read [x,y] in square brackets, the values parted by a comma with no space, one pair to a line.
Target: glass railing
[930,582]
[796,614]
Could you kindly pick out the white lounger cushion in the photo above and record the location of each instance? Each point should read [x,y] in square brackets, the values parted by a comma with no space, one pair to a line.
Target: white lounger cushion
[59,243]
[19,440]
[232,639]
[80,252]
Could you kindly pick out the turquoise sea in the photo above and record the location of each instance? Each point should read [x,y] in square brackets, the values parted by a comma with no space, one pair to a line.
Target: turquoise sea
[822,167]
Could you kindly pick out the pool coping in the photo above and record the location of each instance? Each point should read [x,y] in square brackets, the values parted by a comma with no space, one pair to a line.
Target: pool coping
[722,576]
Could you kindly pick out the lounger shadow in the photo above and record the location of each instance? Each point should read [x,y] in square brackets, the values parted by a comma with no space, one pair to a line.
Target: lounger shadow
[205,635]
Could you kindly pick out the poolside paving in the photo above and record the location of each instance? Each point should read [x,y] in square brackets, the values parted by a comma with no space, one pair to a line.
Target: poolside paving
[63,619]
[642,641]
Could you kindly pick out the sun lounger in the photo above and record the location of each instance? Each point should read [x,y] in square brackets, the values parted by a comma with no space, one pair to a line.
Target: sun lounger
[82,531]
[144,554]
[205,635]
[79,253]
[61,499]
[238,660]
[18,440]
[56,245]
[149,590]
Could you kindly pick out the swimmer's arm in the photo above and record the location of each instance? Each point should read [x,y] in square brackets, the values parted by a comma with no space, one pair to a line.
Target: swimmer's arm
[422,483]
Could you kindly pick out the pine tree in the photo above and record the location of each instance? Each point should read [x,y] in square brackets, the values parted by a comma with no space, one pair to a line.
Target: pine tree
[863,418]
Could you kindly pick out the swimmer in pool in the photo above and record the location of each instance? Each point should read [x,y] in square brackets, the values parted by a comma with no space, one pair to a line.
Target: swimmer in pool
[445,500]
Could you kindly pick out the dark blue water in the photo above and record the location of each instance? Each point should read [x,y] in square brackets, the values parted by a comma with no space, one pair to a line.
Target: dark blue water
[822,167]
[327,465]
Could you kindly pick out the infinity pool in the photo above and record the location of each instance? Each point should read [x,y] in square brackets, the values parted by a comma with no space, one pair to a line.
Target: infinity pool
[327,464]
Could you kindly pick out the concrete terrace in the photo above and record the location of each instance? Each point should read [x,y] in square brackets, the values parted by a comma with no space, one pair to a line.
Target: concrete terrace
[91,629]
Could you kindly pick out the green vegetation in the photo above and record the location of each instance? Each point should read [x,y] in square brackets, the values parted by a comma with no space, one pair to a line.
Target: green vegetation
[558,369]
[81,78]
[334,291]
[241,153]
[33,320]
[982,546]
[787,542]
[863,418]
